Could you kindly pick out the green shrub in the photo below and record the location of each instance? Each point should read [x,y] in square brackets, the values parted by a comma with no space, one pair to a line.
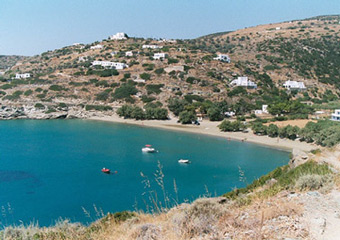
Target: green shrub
[312,182]
[154,88]
[98,107]
[56,88]
[145,76]
[28,92]
[125,91]
[39,106]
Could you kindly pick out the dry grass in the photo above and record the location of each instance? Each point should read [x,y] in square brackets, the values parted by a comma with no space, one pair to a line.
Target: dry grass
[299,122]
[206,218]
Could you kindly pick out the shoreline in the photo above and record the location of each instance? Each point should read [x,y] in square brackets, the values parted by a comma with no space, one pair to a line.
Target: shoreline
[210,128]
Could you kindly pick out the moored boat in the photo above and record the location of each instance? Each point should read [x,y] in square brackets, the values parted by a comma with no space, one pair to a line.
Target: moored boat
[106,170]
[148,149]
[184,161]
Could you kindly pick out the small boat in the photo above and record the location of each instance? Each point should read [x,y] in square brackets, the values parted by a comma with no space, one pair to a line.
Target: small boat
[148,149]
[106,170]
[184,161]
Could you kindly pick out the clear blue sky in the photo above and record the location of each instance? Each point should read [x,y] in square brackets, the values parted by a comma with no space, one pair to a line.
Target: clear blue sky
[29,27]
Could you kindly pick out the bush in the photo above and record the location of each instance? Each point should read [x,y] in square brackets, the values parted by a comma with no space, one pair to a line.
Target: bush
[312,182]
[172,60]
[56,88]
[125,91]
[104,95]
[145,76]
[154,88]
[98,107]
[39,106]
[159,71]
[123,216]
[28,92]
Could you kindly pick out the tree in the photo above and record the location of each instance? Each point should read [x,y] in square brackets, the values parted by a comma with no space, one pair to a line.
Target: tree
[259,128]
[138,113]
[215,114]
[272,130]
[176,105]
[187,117]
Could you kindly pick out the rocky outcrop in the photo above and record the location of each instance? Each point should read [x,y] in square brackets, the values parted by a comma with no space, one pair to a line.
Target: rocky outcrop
[30,112]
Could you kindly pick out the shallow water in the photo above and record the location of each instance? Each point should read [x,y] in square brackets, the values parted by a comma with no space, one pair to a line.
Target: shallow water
[52,168]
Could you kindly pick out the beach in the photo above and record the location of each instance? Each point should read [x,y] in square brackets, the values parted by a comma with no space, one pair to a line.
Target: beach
[207,127]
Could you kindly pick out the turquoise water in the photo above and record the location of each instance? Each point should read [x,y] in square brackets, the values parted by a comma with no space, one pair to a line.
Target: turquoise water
[51,168]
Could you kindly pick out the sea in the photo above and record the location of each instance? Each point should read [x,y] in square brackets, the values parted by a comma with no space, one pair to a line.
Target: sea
[50,170]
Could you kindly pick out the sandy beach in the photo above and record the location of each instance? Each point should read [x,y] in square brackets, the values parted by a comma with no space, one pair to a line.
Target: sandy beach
[210,128]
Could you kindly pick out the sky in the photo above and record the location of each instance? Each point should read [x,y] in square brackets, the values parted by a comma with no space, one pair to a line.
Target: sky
[30,27]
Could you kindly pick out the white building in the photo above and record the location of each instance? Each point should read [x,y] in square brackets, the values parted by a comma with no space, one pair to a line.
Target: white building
[129,54]
[158,56]
[97,47]
[118,36]
[229,114]
[139,80]
[243,82]
[114,53]
[82,58]
[294,85]
[2,73]
[263,111]
[107,64]
[223,58]
[151,46]
[336,115]
[167,40]
[23,75]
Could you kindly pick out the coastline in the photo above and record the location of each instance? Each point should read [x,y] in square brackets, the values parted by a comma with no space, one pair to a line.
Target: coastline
[211,129]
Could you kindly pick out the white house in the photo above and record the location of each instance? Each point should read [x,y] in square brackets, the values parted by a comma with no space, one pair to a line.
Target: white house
[118,36]
[158,56]
[2,73]
[223,58]
[98,46]
[167,40]
[116,65]
[263,111]
[129,54]
[229,114]
[82,58]
[23,75]
[243,82]
[114,53]
[151,46]
[336,115]
[139,80]
[294,85]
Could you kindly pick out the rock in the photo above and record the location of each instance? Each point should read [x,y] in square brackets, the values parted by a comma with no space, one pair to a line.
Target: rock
[314,194]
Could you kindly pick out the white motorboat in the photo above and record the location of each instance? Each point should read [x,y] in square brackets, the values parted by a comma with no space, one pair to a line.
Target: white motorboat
[148,149]
[183,161]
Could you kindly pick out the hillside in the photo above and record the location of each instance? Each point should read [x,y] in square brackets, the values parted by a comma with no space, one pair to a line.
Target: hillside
[303,50]
[9,61]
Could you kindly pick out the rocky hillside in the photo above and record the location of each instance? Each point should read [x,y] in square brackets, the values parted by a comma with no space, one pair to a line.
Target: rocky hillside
[9,61]
[303,50]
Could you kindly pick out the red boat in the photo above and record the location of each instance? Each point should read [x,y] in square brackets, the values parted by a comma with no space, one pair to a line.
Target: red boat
[106,170]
